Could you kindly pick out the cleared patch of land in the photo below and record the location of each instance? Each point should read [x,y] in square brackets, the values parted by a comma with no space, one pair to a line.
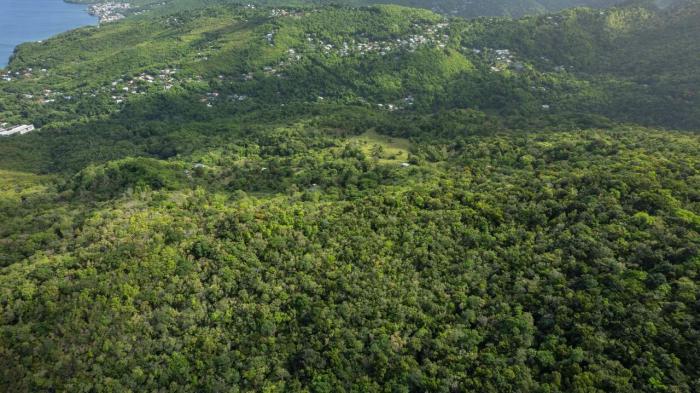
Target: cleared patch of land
[386,149]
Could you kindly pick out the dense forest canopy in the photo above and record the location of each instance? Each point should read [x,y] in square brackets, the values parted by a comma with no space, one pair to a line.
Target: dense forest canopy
[326,198]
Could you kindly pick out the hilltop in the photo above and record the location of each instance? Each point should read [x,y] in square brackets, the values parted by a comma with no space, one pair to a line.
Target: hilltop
[463,8]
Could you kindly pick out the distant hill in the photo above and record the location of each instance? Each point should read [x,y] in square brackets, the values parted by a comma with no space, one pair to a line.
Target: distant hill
[633,63]
[514,8]
[464,8]
[653,53]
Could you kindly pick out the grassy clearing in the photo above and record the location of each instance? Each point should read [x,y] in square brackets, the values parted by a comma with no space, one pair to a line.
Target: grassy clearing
[13,179]
[16,186]
[389,150]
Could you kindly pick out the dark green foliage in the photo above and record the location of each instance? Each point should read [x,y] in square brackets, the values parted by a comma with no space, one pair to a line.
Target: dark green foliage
[118,176]
[546,262]
[433,218]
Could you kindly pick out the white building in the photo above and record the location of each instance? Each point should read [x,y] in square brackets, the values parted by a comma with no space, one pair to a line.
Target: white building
[23,129]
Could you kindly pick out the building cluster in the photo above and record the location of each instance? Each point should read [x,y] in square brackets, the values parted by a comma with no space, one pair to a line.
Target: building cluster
[211,98]
[121,88]
[405,103]
[499,59]
[12,130]
[424,35]
[49,96]
[109,12]
[9,76]
[276,12]
[292,57]
[166,79]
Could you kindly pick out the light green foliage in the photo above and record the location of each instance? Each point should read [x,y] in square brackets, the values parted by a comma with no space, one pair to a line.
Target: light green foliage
[386,149]
[469,9]
[482,274]
[373,217]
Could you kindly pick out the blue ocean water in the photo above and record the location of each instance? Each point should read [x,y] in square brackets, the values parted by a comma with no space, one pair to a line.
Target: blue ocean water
[33,20]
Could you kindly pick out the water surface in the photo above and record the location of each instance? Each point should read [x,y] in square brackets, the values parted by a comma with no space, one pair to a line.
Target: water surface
[33,20]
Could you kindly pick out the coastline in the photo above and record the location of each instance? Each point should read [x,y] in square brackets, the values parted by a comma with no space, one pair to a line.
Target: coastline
[104,11]
[108,12]
[44,24]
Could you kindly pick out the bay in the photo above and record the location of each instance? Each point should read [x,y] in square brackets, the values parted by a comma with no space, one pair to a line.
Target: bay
[34,20]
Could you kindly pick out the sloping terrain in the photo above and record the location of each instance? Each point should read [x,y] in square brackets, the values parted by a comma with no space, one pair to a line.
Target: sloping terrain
[463,8]
[336,199]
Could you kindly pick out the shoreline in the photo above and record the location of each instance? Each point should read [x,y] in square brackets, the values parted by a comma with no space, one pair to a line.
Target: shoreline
[104,11]
[9,48]
[108,12]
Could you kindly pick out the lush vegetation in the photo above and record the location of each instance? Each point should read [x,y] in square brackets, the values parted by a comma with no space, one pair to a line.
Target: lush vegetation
[464,8]
[330,199]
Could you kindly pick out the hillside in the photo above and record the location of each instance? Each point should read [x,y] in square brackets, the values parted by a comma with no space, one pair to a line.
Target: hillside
[513,8]
[582,62]
[463,8]
[649,58]
[337,199]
